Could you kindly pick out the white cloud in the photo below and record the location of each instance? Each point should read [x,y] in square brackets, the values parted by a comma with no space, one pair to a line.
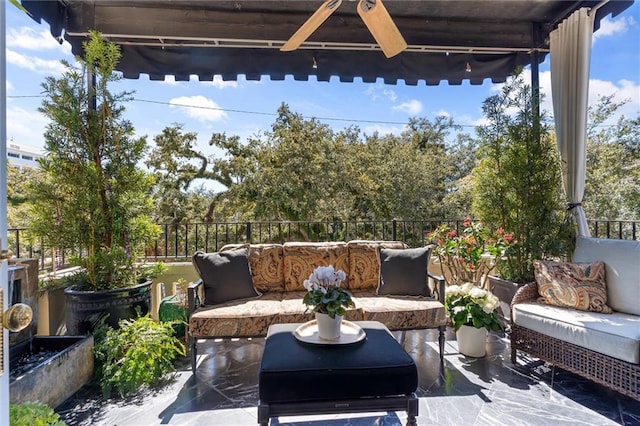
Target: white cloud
[219,83]
[382,129]
[623,91]
[411,107]
[35,64]
[199,108]
[30,39]
[26,126]
[443,113]
[379,91]
[609,27]
[170,80]
[9,86]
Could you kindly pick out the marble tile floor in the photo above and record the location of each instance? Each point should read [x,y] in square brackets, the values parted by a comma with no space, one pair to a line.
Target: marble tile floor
[464,391]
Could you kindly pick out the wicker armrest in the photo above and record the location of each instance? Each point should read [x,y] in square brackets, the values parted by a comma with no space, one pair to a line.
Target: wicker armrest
[192,295]
[526,293]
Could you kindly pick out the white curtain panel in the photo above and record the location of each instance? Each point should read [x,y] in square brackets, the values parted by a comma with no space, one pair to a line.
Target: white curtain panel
[570,61]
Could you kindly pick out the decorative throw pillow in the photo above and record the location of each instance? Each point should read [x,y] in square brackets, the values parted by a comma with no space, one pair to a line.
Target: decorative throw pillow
[403,272]
[572,285]
[226,275]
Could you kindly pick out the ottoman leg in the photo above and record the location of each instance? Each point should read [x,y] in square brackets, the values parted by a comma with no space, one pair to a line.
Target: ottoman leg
[412,410]
[263,414]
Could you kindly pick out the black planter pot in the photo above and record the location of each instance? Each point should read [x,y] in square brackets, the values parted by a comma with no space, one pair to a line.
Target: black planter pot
[86,308]
[504,290]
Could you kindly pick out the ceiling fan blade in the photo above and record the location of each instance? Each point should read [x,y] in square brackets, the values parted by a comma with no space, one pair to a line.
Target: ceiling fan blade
[312,24]
[382,27]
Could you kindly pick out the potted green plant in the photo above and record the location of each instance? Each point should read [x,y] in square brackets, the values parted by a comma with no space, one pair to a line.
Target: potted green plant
[328,300]
[517,181]
[92,194]
[471,254]
[473,313]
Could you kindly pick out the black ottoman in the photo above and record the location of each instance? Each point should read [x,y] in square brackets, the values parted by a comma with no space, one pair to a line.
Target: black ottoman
[299,378]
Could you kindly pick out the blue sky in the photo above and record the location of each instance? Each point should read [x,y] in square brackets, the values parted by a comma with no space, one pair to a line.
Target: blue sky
[32,54]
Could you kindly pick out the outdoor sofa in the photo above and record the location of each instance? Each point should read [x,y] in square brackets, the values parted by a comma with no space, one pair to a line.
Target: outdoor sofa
[603,347]
[243,289]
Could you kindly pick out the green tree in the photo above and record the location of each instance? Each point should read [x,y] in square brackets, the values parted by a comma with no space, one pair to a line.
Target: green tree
[612,189]
[92,193]
[177,166]
[517,179]
[18,181]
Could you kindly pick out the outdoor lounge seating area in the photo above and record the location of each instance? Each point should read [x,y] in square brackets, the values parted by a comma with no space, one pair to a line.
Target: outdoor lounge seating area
[464,391]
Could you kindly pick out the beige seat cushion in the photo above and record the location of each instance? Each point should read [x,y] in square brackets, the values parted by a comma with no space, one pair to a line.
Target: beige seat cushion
[246,317]
[616,335]
[293,310]
[400,312]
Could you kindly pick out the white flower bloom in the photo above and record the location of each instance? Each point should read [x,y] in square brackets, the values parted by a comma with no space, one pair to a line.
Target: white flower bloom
[477,293]
[453,290]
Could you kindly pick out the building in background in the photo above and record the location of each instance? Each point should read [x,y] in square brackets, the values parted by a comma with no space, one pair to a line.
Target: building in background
[22,155]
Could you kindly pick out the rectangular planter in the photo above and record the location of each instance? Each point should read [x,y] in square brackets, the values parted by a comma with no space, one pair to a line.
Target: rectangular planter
[504,290]
[57,378]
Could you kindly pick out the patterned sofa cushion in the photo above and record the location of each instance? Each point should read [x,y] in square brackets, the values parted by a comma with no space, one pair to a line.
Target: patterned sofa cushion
[248,317]
[364,266]
[400,312]
[580,286]
[293,310]
[266,263]
[301,258]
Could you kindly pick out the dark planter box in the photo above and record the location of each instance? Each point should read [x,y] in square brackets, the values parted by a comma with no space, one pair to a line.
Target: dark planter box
[504,290]
[86,308]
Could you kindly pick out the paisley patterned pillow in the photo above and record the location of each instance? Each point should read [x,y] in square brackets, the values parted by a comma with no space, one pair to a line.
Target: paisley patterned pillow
[573,285]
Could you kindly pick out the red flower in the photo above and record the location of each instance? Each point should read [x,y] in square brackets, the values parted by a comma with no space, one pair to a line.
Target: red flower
[500,232]
[467,222]
[451,234]
[508,237]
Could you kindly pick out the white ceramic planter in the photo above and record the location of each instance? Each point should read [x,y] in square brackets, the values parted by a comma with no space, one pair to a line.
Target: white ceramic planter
[472,341]
[328,328]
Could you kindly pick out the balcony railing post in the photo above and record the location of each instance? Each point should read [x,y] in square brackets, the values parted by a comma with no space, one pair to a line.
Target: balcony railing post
[249,232]
[394,230]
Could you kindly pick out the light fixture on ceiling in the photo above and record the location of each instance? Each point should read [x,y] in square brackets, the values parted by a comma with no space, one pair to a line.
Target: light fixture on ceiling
[315,63]
[468,67]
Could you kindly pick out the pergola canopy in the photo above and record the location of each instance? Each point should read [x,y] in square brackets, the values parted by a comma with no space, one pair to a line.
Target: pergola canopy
[448,40]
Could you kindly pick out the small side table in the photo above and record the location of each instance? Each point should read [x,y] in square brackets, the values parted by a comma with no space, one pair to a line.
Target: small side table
[298,378]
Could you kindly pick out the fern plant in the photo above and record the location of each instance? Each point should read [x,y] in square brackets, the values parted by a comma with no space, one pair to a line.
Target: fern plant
[140,352]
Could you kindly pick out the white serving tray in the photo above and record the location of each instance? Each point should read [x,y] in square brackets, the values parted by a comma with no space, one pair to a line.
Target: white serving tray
[349,333]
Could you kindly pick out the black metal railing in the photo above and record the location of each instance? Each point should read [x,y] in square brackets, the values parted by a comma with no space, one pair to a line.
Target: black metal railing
[179,242]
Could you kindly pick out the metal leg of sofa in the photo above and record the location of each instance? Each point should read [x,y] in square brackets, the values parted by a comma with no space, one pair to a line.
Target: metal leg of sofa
[193,352]
[441,341]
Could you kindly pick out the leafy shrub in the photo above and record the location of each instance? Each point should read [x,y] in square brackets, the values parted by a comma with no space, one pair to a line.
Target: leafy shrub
[33,414]
[140,353]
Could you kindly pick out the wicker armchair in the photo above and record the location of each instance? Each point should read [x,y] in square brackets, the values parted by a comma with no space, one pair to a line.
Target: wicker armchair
[613,373]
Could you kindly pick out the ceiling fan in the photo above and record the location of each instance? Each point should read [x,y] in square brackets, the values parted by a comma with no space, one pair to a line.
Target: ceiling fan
[375,17]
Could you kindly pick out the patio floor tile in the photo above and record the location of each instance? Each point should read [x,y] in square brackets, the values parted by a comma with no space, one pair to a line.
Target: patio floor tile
[463,391]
